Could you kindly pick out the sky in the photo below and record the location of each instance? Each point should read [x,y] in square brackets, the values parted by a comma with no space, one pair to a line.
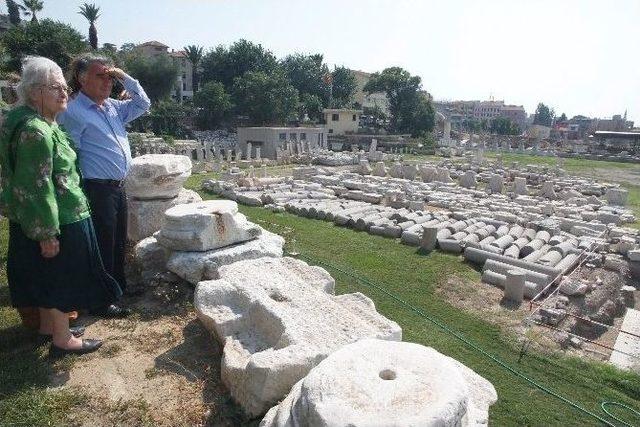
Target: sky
[578,57]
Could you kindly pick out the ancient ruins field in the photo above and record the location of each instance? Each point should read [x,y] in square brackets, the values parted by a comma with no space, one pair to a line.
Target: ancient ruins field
[162,367]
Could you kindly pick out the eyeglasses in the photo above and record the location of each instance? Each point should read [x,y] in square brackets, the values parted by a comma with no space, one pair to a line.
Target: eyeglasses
[58,88]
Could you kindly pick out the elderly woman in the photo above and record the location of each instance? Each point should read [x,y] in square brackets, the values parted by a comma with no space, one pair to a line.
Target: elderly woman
[53,261]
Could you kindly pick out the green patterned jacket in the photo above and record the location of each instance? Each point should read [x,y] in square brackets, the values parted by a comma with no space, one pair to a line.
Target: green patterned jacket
[40,179]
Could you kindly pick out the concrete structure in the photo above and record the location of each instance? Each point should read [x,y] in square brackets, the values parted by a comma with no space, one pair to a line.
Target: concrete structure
[618,141]
[340,121]
[272,139]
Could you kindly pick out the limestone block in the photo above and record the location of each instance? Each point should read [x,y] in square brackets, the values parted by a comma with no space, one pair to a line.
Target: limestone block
[468,180]
[617,196]
[204,226]
[277,318]
[496,184]
[428,173]
[379,169]
[548,191]
[520,186]
[443,175]
[376,383]
[157,176]
[149,258]
[396,170]
[195,267]
[144,217]
[409,171]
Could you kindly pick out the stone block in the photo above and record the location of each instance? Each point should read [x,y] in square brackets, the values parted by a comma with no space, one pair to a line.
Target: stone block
[277,318]
[157,176]
[149,258]
[195,267]
[375,383]
[144,217]
[204,226]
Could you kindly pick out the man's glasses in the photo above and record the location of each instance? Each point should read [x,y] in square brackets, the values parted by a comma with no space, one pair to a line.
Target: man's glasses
[58,88]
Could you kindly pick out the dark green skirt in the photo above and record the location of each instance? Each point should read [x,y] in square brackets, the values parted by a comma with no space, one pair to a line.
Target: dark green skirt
[75,279]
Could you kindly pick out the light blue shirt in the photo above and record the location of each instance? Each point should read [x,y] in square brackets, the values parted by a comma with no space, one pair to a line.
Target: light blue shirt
[99,131]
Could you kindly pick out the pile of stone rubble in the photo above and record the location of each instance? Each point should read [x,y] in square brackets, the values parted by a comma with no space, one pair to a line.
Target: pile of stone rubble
[533,219]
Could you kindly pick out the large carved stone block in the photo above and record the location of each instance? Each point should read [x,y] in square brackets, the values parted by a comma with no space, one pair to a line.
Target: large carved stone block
[204,226]
[382,383]
[157,176]
[278,318]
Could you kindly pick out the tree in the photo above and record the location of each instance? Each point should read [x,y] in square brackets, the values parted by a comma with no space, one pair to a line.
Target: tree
[562,118]
[33,6]
[54,40]
[225,65]
[91,12]
[543,116]
[14,12]
[344,87]
[265,98]
[127,48]
[504,126]
[166,118]
[194,55]
[305,73]
[157,75]
[311,105]
[410,109]
[214,104]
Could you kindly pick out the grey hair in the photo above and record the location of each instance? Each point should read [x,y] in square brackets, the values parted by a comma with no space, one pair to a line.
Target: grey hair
[80,65]
[36,71]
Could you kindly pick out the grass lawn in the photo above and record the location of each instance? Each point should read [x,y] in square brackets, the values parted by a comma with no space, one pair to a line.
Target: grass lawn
[401,270]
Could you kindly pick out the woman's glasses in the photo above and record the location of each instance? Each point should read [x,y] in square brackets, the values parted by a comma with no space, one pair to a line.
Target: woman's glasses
[58,88]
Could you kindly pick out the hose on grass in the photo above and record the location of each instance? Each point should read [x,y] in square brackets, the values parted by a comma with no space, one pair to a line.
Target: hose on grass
[475,346]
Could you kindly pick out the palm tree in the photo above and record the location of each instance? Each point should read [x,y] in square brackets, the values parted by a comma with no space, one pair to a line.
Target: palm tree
[92,13]
[33,6]
[194,55]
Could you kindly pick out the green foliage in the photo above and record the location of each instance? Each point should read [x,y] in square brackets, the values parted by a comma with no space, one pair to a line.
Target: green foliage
[311,105]
[167,118]
[91,12]
[14,12]
[156,75]
[265,98]
[504,126]
[54,40]
[344,87]
[562,118]
[411,111]
[544,116]
[225,65]
[213,102]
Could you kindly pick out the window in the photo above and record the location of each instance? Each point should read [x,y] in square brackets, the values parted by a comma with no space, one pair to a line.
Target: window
[293,136]
[335,117]
[282,136]
[184,76]
[184,85]
[353,119]
[330,130]
[303,136]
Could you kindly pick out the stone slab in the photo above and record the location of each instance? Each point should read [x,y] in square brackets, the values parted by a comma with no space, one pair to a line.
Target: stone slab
[627,354]
[277,318]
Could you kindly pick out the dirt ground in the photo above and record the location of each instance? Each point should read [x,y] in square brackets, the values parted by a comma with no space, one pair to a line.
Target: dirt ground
[158,367]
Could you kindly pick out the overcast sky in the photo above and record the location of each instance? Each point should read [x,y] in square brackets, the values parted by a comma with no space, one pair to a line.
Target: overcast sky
[579,57]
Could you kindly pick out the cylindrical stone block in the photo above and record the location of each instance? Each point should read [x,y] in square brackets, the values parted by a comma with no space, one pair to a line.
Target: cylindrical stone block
[503,241]
[512,251]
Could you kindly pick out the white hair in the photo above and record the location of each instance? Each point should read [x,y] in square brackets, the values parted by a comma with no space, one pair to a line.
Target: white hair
[36,71]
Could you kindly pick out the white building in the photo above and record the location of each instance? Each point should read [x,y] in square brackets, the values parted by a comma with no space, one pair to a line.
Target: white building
[340,121]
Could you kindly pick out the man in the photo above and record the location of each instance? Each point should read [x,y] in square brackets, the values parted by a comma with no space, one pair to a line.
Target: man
[96,124]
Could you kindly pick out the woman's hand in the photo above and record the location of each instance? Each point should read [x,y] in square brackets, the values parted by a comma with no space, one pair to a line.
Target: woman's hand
[49,248]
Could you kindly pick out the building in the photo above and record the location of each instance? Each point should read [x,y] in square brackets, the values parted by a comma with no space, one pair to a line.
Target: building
[340,121]
[617,123]
[184,83]
[618,141]
[457,112]
[374,100]
[270,140]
